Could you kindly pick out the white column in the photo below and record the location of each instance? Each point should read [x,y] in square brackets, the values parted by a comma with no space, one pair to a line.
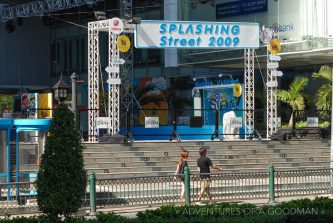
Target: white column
[331,160]
[170,13]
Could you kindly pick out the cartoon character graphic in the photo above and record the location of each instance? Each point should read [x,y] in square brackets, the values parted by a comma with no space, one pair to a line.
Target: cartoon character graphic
[25,105]
[152,100]
[25,101]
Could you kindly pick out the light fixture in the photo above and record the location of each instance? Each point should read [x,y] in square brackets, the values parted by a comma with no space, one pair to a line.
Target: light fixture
[136,20]
[99,15]
[60,89]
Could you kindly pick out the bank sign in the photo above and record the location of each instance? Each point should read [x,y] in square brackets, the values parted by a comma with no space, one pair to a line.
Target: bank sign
[180,34]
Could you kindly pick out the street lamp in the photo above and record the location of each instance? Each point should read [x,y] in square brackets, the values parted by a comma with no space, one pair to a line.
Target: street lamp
[60,89]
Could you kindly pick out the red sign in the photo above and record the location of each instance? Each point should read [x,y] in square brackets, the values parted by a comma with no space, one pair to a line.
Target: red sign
[116,25]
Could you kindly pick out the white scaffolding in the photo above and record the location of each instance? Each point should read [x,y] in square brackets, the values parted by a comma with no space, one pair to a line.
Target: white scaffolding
[93,76]
[271,98]
[40,8]
[116,97]
[249,91]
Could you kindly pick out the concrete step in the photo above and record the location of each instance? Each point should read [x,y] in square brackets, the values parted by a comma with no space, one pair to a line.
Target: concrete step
[244,166]
[171,146]
[160,158]
[196,148]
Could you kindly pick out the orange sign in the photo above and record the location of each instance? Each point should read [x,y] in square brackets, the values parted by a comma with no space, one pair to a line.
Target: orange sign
[123,43]
[274,46]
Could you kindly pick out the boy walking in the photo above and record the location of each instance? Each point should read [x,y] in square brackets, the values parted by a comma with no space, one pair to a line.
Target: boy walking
[204,164]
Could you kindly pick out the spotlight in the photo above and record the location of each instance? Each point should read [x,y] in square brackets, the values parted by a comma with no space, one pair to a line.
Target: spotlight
[100,15]
[10,26]
[136,20]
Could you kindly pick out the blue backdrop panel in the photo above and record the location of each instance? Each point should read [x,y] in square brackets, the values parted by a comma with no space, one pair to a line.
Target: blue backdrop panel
[185,133]
[224,100]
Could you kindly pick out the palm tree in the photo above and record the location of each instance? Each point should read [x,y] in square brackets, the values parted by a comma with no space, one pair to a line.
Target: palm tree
[324,93]
[293,96]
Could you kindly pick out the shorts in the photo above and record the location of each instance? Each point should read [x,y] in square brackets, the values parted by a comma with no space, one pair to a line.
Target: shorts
[205,183]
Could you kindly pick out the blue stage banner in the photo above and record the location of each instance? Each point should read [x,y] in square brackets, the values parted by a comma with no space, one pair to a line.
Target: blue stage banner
[222,99]
[241,7]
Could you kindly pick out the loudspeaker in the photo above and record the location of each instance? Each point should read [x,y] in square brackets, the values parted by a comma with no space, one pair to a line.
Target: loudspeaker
[196,121]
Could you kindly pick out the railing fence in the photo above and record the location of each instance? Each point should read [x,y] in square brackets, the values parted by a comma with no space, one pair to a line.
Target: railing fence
[156,190]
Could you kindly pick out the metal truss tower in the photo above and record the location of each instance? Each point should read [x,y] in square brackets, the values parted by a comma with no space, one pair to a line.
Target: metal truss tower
[271,98]
[249,91]
[40,8]
[113,70]
[126,71]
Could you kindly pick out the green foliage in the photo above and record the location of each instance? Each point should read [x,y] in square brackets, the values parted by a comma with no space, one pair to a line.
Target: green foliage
[304,124]
[324,93]
[6,102]
[61,181]
[302,210]
[301,124]
[112,217]
[293,96]
[324,124]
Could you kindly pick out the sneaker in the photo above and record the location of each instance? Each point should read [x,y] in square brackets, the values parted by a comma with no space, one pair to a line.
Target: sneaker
[199,203]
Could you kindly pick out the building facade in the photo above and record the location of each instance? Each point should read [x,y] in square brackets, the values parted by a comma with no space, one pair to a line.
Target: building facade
[40,49]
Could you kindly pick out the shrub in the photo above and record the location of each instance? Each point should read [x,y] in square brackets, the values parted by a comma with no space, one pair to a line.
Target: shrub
[61,181]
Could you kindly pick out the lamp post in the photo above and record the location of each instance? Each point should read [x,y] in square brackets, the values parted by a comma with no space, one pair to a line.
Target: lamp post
[74,77]
[60,89]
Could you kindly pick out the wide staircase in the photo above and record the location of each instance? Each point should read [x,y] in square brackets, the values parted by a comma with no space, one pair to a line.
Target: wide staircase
[160,158]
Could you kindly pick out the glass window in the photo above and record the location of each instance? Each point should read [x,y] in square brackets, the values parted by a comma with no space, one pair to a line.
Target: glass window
[65,56]
[154,56]
[84,54]
[53,61]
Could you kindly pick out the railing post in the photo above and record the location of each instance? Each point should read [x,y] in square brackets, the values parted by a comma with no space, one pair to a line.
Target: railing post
[187,186]
[128,134]
[293,124]
[92,180]
[217,122]
[271,184]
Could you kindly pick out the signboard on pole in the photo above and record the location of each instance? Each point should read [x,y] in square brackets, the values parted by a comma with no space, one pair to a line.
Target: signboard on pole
[274,46]
[116,25]
[103,122]
[117,61]
[272,84]
[236,122]
[114,81]
[274,57]
[113,69]
[277,73]
[312,122]
[123,43]
[273,65]
[152,122]
[186,34]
